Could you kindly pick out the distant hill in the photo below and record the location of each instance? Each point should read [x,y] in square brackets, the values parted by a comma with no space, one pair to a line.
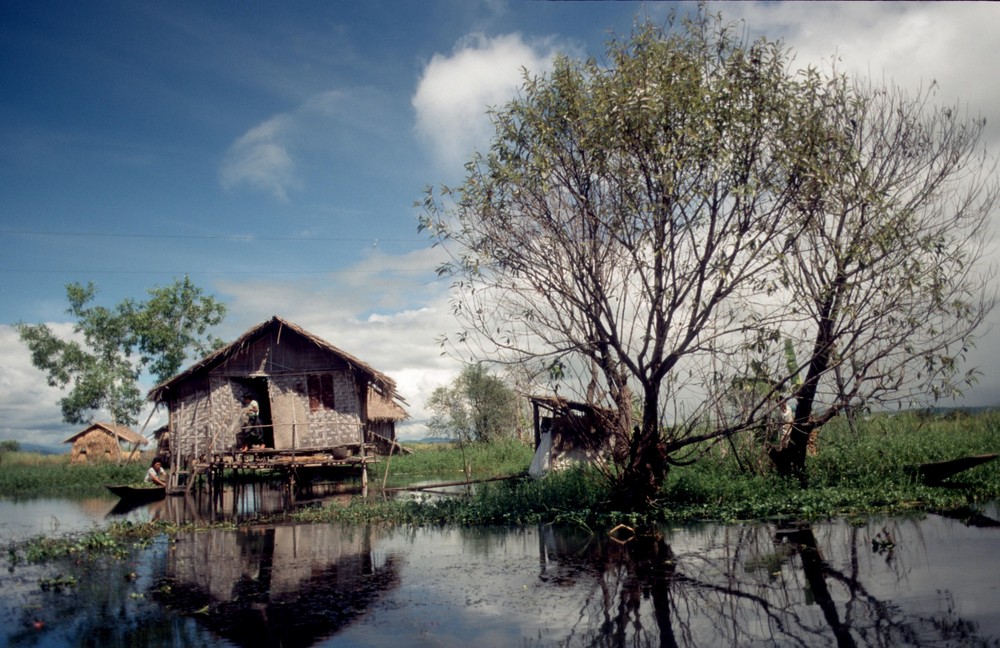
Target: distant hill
[44,449]
[429,440]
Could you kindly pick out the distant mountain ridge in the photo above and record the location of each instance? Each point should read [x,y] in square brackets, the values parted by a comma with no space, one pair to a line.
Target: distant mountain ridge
[43,449]
[429,440]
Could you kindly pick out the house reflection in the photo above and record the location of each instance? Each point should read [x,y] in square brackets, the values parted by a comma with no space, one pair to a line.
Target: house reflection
[284,585]
[234,503]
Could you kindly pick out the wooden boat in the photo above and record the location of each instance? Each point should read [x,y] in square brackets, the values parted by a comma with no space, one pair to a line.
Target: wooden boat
[138,494]
[936,471]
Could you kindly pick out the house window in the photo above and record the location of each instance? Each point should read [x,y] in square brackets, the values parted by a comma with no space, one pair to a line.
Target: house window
[320,392]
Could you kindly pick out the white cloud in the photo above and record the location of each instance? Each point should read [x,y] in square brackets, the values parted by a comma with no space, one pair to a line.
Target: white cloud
[909,44]
[29,410]
[261,160]
[456,90]
[264,157]
[386,310]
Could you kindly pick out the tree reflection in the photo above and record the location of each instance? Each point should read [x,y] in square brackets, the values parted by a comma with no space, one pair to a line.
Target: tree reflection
[763,584]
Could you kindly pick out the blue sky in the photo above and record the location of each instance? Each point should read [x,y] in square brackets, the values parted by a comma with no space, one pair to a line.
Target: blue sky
[273,151]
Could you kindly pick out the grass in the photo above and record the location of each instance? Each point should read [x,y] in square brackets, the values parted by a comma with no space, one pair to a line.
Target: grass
[117,540]
[506,457]
[31,474]
[858,471]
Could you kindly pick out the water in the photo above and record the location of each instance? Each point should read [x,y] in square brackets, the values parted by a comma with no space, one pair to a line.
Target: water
[917,581]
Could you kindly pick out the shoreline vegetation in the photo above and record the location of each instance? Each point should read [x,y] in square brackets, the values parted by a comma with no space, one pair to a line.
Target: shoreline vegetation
[861,469]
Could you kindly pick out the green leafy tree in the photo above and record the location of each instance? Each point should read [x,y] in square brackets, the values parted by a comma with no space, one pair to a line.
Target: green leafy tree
[173,324]
[884,288]
[10,445]
[477,406]
[623,208]
[102,362]
[660,224]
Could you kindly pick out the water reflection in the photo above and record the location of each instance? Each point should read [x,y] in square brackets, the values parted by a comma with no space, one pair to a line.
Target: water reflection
[767,585]
[893,582]
[278,585]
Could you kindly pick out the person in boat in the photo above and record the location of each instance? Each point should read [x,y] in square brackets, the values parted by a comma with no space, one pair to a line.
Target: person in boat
[251,433]
[156,474]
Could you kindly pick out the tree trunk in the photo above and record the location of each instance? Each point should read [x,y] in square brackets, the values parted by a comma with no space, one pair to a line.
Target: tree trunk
[644,473]
[790,459]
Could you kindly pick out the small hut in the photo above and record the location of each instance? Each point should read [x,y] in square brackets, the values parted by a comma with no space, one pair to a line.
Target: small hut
[566,432]
[310,394]
[102,442]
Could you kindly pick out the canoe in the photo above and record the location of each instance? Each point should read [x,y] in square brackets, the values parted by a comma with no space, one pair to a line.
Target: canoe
[138,494]
[936,471]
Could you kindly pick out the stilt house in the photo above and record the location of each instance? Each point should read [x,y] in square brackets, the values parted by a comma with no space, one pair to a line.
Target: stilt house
[311,394]
[102,442]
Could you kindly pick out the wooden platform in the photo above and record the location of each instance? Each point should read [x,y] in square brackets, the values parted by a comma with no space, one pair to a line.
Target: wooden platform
[287,464]
[264,458]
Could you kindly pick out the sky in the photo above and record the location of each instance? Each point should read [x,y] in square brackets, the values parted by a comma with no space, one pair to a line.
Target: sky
[274,152]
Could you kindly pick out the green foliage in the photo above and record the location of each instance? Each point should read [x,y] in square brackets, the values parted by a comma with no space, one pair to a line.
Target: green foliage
[861,470]
[117,540]
[505,457]
[98,363]
[172,324]
[52,475]
[869,467]
[477,406]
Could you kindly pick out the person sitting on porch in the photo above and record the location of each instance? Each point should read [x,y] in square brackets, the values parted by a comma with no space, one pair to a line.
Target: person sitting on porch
[250,432]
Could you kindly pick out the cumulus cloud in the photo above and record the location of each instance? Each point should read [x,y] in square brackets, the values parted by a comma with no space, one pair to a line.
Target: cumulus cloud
[387,310]
[455,91]
[909,44]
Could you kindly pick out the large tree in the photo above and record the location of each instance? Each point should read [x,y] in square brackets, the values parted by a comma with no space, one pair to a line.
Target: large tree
[111,348]
[691,217]
[883,289]
[621,211]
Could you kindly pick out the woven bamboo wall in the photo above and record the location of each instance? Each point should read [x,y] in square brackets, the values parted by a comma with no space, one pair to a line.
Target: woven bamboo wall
[190,422]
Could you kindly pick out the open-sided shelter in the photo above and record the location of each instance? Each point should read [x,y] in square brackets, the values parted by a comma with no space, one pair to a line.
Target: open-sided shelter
[567,432]
[311,394]
[102,442]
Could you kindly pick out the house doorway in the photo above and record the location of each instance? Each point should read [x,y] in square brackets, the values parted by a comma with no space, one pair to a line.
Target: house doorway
[256,388]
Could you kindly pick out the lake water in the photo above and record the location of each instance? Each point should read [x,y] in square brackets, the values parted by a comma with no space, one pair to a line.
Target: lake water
[928,580]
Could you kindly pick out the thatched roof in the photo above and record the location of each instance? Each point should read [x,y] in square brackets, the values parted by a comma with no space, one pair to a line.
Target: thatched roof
[384,409]
[382,383]
[560,404]
[119,432]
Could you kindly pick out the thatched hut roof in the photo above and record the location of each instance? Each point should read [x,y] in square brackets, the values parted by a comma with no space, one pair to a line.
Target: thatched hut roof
[384,409]
[383,384]
[118,432]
